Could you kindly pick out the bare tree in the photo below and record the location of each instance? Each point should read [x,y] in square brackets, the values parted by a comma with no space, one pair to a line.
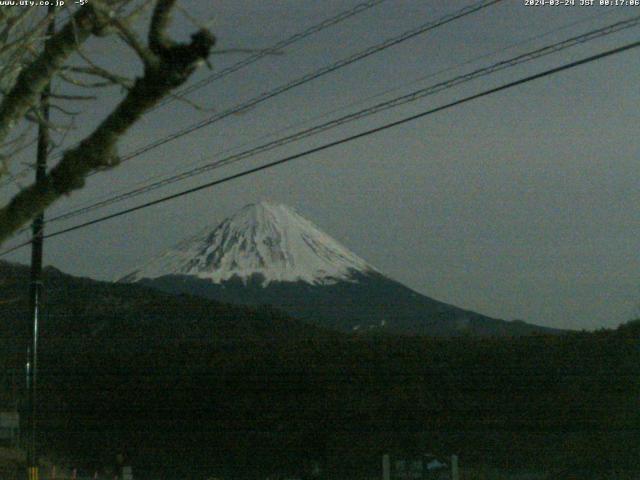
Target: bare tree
[29,61]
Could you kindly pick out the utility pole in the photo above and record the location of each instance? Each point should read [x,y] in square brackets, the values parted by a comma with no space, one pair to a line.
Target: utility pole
[35,286]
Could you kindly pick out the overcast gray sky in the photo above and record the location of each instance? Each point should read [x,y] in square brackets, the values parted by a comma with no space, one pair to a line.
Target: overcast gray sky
[524,204]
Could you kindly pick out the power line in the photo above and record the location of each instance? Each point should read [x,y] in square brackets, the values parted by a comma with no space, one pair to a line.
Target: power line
[273,49]
[407,35]
[468,10]
[395,102]
[341,141]
[329,22]
[115,195]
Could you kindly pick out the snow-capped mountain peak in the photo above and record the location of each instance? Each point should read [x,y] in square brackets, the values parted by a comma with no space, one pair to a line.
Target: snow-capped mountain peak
[266,239]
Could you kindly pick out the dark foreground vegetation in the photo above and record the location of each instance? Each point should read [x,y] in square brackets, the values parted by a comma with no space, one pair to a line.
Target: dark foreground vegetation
[189,387]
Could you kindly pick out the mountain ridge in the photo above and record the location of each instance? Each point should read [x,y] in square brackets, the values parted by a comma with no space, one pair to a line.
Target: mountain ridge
[265,238]
[269,254]
[230,388]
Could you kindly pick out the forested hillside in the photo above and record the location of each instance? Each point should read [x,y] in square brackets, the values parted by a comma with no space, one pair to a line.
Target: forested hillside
[185,386]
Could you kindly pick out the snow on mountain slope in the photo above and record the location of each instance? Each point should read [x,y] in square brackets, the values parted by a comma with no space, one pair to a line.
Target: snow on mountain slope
[266,239]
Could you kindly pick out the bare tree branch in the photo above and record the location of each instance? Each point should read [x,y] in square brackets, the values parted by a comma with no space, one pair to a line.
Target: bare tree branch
[29,34]
[96,71]
[60,96]
[172,65]
[36,117]
[131,39]
[158,40]
[136,12]
[64,111]
[32,80]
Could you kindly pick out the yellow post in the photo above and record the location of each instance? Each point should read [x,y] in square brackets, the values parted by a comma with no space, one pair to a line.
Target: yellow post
[33,473]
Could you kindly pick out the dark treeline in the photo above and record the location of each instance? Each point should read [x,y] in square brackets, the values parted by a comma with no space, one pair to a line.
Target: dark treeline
[191,387]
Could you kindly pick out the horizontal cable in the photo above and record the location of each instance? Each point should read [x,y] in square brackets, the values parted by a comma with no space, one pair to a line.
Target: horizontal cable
[395,102]
[341,141]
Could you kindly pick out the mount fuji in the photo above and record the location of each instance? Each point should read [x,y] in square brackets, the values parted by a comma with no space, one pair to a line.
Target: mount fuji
[269,254]
[265,240]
